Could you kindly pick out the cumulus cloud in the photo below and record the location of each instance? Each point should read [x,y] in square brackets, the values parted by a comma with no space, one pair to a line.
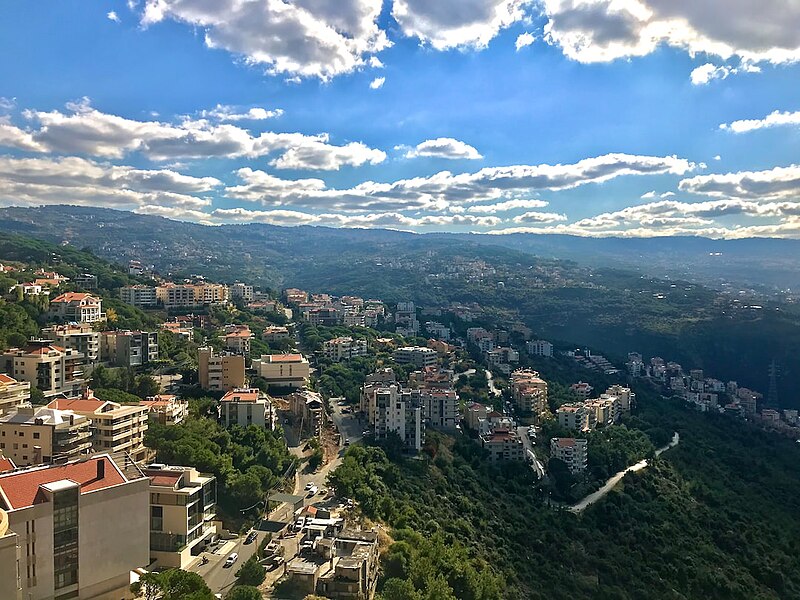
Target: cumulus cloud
[539,217]
[775,184]
[73,180]
[506,206]
[377,83]
[222,112]
[85,130]
[305,38]
[523,40]
[604,30]
[708,72]
[112,16]
[774,119]
[445,189]
[457,23]
[444,148]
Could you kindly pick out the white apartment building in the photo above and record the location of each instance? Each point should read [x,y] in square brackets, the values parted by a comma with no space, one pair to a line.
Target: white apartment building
[539,348]
[129,348]
[575,417]
[418,356]
[237,339]
[166,409]
[52,369]
[502,359]
[247,406]
[182,513]
[80,337]
[12,393]
[243,292]
[34,435]
[529,392]
[73,530]
[141,296]
[439,408]
[395,411]
[503,445]
[438,331]
[626,397]
[572,451]
[343,349]
[77,307]
[283,370]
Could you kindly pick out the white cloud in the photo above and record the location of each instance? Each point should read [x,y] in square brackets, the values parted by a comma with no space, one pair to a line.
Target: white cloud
[506,206]
[717,157]
[377,83]
[72,180]
[85,130]
[774,119]
[647,195]
[7,103]
[222,112]
[112,16]
[306,38]
[604,30]
[780,183]
[708,72]
[539,217]
[457,23]
[523,40]
[375,62]
[444,148]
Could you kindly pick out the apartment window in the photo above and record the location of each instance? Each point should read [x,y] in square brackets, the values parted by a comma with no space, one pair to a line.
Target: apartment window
[36,435]
[156,518]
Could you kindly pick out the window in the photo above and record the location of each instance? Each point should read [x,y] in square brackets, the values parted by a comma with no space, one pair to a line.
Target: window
[36,435]
[156,518]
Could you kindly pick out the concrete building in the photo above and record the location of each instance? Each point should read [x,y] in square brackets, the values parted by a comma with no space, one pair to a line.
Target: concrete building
[405,317]
[53,369]
[33,435]
[344,349]
[438,330]
[63,524]
[12,393]
[247,406]
[439,407]
[80,337]
[502,359]
[575,417]
[582,390]
[418,356]
[606,409]
[182,513]
[394,411]
[141,296]
[474,413]
[129,349]
[626,397]
[237,339]
[220,372]
[290,371]
[503,445]
[539,348]
[77,307]
[166,409]
[308,409]
[243,292]
[275,333]
[191,295]
[570,450]
[115,428]
[529,392]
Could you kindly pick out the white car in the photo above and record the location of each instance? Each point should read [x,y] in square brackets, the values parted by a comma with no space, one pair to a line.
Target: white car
[309,485]
[312,491]
[231,559]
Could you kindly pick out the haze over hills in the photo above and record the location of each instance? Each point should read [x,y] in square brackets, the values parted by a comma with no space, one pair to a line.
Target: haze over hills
[769,262]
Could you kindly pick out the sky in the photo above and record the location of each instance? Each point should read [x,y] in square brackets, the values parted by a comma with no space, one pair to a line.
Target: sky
[633,118]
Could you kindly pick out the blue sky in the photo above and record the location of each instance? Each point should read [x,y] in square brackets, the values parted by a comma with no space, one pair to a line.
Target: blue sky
[592,117]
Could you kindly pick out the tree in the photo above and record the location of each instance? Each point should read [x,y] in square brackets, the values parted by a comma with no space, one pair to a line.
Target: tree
[37,396]
[146,386]
[173,584]
[251,573]
[399,589]
[244,592]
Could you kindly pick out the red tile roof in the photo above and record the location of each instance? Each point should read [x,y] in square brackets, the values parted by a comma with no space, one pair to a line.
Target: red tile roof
[249,395]
[18,490]
[164,478]
[72,297]
[6,464]
[77,404]
[6,379]
[285,357]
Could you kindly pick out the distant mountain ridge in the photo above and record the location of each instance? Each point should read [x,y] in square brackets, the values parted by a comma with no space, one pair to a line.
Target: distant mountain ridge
[124,235]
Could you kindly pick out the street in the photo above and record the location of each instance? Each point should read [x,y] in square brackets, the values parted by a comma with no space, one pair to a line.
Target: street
[537,466]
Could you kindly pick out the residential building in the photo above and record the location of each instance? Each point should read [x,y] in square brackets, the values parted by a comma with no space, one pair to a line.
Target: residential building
[52,369]
[13,393]
[182,513]
[606,409]
[344,349]
[626,397]
[571,451]
[6,464]
[438,331]
[31,289]
[129,349]
[237,339]
[141,296]
[172,295]
[115,428]
[325,315]
[575,416]
[179,328]
[503,445]
[77,307]
[78,530]
[354,560]
[86,281]
[49,278]
[502,358]
[474,413]
[295,296]
[374,381]
[166,409]
[283,370]
[308,409]
[220,372]
[439,407]
[33,435]
[243,292]
[275,333]
[582,390]
[481,338]
[405,317]
[247,406]
[539,348]
[418,356]
[395,412]
[529,392]
[80,337]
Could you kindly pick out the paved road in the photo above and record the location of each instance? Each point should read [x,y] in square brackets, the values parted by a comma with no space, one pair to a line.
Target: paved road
[468,372]
[614,480]
[493,391]
[537,466]
[217,577]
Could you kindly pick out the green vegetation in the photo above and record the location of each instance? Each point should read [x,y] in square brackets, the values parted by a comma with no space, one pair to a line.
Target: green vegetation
[251,573]
[173,584]
[244,592]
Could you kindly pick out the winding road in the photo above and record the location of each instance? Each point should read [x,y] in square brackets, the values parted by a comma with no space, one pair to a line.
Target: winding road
[614,480]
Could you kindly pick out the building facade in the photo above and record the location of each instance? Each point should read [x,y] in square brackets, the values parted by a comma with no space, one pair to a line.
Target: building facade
[129,349]
[81,338]
[572,451]
[343,349]
[418,356]
[141,296]
[283,370]
[12,393]
[53,369]
[220,372]
[247,406]
[34,435]
[77,307]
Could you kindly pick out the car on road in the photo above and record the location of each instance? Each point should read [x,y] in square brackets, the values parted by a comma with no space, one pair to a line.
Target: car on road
[230,560]
[312,491]
[298,525]
[347,442]
[309,485]
[251,537]
[276,562]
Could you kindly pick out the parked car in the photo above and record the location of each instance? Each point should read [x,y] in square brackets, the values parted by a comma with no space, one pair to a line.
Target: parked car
[347,442]
[230,560]
[298,525]
[276,562]
[324,492]
[251,537]
[309,485]
[312,491]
